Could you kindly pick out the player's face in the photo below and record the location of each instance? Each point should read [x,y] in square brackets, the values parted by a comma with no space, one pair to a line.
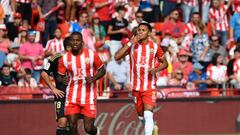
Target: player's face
[76,43]
[143,32]
[58,33]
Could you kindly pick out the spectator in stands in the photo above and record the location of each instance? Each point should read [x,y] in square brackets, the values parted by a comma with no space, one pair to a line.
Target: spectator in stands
[24,7]
[219,21]
[138,19]
[177,79]
[31,54]
[8,8]
[169,6]
[12,27]
[2,15]
[22,35]
[6,77]
[4,44]
[27,80]
[70,10]
[147,9]
[175,26]
[117,29]
[215,47]
[205,10]
[235,27]
[200,46]
[233,68]
[55,45]
[195,22]
[217,71]
[45,6]
[14,62]
[98,29]
[83,27]
[118,74]
[183,63]
[104,11]
[189,7]
[198,78]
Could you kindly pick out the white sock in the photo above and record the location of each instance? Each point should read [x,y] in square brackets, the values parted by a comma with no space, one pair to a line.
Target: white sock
[148,117]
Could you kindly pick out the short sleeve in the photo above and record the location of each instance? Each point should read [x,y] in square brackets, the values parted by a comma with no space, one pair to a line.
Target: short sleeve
[48,67]
[160,52]
[61,68]
[97,61]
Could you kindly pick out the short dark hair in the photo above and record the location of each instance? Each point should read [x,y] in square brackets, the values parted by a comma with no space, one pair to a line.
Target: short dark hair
[28,71]
[146,24]
[76,33]
[66,42]
[118,8]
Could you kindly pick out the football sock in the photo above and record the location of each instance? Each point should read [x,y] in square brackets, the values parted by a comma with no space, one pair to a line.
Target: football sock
[63,131]
[148,117]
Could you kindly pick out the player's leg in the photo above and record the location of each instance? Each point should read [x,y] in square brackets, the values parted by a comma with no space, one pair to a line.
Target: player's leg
[149,101]
[138,105]
[62,127]
[89,126]
[72,112]
[73,121]
[89,115]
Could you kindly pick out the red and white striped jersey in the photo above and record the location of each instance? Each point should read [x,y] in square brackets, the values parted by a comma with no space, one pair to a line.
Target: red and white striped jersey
[191,3]
[104,56]
[236,68]
[220,18]
[79,67]
[55,45]
[24,1]
[206,2]
[236,6]
[217,73]
[142,58]
[191,28]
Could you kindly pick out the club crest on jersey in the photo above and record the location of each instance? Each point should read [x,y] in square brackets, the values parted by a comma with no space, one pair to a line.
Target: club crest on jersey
[152,51]
[87,60]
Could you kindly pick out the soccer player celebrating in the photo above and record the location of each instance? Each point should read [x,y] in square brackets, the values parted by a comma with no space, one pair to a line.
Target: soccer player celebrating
[59,91]
[84,68]
[144,56]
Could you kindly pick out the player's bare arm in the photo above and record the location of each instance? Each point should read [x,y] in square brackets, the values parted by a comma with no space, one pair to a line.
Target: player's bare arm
[58,93]
[163,65]
[124,50]
[101,72]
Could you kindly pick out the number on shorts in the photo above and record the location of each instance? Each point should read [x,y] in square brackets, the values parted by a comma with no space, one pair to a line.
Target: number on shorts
[58,105]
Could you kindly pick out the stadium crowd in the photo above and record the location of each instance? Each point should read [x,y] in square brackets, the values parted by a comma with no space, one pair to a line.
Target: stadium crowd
[200,38]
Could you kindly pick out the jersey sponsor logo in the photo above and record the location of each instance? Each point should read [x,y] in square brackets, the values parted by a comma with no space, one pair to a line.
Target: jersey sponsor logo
[47,66]
[143,62]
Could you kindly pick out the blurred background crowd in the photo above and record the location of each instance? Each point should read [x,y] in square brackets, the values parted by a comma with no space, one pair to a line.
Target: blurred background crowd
[200,39]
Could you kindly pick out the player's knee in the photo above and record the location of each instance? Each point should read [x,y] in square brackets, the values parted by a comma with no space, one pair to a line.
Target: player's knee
[62,123]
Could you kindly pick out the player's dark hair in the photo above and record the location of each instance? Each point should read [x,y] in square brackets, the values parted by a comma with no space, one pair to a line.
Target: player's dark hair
[146,24]
[66,42]
[76,33]
[5,65]
[28,71]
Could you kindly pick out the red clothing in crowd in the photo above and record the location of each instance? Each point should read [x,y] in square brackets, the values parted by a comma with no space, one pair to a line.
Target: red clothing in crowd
[176,29]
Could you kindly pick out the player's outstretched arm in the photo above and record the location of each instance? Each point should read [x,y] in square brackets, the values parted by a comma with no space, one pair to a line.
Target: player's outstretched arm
[100,73]
[58,93]
[121,53]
